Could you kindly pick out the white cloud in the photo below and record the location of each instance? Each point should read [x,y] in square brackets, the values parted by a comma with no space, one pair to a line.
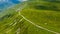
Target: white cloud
[22,0]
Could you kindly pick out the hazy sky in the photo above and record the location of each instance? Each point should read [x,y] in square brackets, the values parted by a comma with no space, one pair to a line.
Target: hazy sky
[7,3]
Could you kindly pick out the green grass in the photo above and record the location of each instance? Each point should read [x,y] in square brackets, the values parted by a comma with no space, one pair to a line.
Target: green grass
[31,29]
[42,13]
[41,17]
[8,20]
[45,14]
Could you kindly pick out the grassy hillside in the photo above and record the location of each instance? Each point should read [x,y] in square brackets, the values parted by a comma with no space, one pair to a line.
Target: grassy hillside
[43,13]
[34,17]
[10,20]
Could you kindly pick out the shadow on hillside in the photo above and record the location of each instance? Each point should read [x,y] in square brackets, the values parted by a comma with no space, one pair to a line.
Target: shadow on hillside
[56,1]
[48,7]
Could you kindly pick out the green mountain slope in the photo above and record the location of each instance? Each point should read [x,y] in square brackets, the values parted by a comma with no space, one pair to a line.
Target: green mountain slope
[44,15]
[34,17]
